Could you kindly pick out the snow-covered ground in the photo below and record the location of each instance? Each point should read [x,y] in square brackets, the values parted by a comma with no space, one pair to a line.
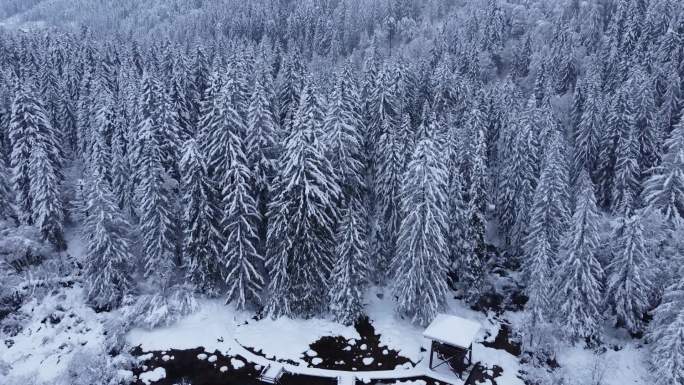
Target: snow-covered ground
[61,325]
[57,328]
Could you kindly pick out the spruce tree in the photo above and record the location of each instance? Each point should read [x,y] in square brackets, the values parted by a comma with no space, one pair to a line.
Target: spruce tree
[301,226]
[154,206]
[665,189]
[262,151]
[473,260]
[350,269]
[420,266]
[29,129]
[108,259]
[629,275]
[46,201]
[7,207]
[579,278]
[243,261]
[202,237]
[550,204]
[666,332]
[627,173]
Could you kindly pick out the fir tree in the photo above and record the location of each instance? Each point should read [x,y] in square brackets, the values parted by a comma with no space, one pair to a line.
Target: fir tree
[349,273]
[550,205]
[7,208]
[629,275]
[667,335]
[242,259]
[627,173]
[46,201]
[473,260]
[108,259]
[665,189]
[202,238]
[29,128]
[262,151]
[156,220]
[300,234]
[579,276]
[420,266]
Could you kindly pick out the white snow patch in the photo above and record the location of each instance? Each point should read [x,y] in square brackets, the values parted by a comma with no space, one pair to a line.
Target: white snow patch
[201,356]
[223,369]
[236,363]
[317,361]
[152,376]
[311,353]
[210,327]
[212,358]
[287,338]
[44,350]
[368,360]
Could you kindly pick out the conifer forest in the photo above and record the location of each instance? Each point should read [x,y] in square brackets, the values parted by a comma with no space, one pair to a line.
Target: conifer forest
[261,179]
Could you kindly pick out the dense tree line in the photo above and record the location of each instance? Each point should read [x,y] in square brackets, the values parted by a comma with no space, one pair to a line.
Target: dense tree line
[286,166]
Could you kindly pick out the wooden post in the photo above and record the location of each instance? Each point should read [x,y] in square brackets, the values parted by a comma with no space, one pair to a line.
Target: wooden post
[470,355]
[432,348]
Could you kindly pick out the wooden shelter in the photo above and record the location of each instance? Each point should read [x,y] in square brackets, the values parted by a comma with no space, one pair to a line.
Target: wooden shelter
[451,339]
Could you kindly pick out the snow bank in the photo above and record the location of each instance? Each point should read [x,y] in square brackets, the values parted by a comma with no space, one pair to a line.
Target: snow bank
[211,327]
[58,327]
[287,338]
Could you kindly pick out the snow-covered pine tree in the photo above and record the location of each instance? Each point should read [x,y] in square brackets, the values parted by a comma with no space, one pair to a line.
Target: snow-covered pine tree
[539,267]
[29,128]
[579,278]
[550,205]
[350,270]
[589,128]
[202,238]
[243,261]
[154,206]
[642,103]
[626,184]
[629,283]
[474,258]
[665,189]
[521,171]
[7,207]
[618,125]
[666,332]
[421,264]
[108,260]
[262,150]
[344,137]
[46,201]
[301,226]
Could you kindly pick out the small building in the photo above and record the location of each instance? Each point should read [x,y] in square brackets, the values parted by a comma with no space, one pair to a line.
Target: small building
[451,340]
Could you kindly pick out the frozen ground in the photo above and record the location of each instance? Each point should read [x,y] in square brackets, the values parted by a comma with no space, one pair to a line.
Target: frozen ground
[54,331]
[61,325]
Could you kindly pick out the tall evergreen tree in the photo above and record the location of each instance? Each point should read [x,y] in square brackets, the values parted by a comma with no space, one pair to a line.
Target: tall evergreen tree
[550,205]
[580,275]
[667,334]
[29,129]
[300,234]
[420,266]
[629,284]
[202,238]
[108,259]
[665,189]
[473,260]
[262,151]
[240,220]
[46,201]
[349,273]
[154,206]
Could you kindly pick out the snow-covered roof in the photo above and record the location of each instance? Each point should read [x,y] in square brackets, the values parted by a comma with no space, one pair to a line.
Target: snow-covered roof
[452,330]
